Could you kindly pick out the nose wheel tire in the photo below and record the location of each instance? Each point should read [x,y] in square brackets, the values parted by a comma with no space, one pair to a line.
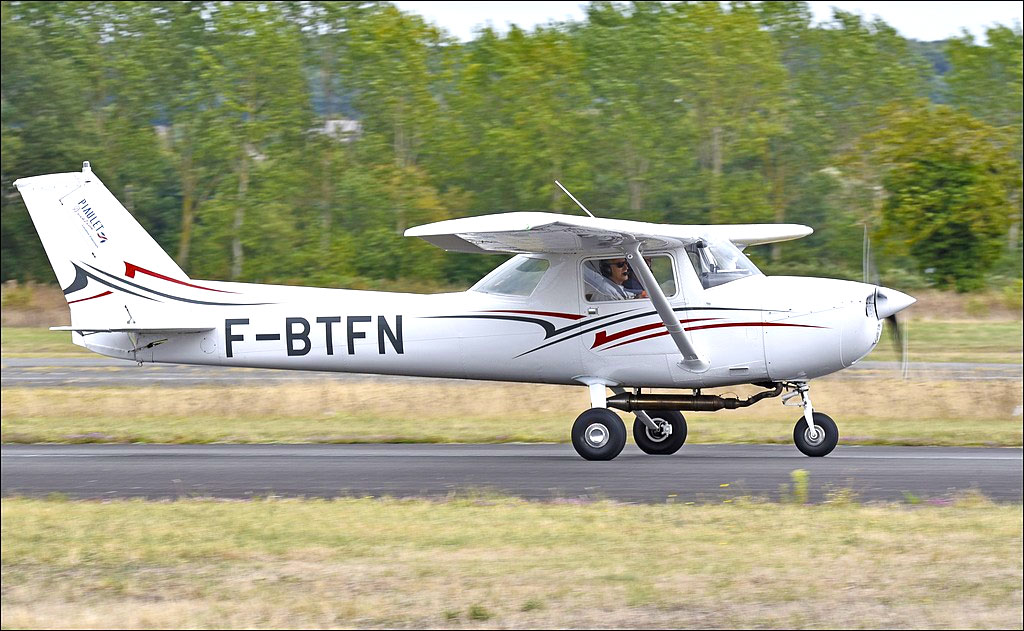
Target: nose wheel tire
[598,434]
[668,440]
[823,442]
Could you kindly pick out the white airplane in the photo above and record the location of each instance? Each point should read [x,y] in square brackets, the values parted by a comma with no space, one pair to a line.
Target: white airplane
[564,310]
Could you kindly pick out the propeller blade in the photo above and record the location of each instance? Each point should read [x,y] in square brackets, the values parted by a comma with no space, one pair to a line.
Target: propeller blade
[870,269]
[887,303]
[898,334]
[895,334]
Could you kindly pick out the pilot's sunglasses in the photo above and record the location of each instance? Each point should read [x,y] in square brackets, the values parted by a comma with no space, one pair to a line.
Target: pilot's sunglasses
[619,265]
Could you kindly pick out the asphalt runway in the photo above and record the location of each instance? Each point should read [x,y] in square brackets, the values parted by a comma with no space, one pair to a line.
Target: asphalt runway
[97,371]
[698,473]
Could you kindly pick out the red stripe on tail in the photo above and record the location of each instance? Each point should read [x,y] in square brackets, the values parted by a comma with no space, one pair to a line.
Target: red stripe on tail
[131,268]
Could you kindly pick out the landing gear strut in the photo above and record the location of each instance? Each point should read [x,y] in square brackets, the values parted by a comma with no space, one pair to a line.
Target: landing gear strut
[815,434]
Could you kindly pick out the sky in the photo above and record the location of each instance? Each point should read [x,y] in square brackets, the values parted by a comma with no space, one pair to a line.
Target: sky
[925,21]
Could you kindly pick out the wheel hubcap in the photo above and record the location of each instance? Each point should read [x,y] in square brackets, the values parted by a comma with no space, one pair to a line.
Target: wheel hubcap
[662,433]
[816,438]
[596,435]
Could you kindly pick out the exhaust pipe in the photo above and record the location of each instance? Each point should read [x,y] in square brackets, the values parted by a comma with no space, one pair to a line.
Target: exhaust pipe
[686,402]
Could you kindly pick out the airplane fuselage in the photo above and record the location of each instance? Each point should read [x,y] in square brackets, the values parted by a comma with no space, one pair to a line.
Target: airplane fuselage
[754,329]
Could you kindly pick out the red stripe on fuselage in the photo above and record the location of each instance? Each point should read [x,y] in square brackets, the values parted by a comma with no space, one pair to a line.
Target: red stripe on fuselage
[106,293]
[130,269]
[603,338]
[726,324]
[717,326]
[553,314]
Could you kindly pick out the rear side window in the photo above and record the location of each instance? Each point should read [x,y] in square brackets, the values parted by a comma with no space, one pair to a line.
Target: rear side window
[518,277]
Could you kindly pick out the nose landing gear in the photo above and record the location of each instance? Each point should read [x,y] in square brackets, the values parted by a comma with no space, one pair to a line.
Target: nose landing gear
[815,434]
[822,441]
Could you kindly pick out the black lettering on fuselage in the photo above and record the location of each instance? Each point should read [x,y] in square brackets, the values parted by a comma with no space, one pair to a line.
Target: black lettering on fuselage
[228,337]
[297,334]
[327,321]
[395,336]
[354,335]
[291,336]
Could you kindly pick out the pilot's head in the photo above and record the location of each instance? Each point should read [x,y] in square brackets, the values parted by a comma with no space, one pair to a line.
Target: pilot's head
[617,270]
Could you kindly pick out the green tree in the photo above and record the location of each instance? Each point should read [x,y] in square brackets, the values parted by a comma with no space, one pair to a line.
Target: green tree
[635,119]
[840,75]
[75,87]
[392,72]
[945,177]
[989,82]
[261,112]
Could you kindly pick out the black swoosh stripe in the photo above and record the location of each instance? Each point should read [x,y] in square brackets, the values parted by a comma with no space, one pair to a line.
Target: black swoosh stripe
[632,317]
[598,323]
[550,330]
[178,298]
[82,279]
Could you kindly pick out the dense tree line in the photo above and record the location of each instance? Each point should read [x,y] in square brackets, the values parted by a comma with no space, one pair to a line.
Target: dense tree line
[209,121]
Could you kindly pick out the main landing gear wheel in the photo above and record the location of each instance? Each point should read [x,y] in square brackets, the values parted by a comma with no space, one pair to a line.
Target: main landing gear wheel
[598,434]
[665,442]
[823,442]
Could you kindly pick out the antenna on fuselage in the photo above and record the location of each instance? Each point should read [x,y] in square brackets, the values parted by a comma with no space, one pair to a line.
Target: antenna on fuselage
[574,199]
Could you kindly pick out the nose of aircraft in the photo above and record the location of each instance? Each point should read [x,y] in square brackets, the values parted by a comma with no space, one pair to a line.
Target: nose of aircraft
[889,301]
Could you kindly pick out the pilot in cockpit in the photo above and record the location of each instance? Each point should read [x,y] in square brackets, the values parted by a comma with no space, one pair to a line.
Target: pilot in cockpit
[611,282]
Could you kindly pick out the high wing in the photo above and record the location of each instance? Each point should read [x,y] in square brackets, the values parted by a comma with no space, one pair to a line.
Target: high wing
[524,232]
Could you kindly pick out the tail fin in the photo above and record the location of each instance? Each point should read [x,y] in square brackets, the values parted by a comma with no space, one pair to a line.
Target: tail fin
[112,272]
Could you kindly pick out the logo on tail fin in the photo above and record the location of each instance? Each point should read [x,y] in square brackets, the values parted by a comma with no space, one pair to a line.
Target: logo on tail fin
[91,220]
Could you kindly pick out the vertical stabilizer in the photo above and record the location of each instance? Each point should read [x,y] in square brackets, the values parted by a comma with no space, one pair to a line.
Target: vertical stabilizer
[95,246]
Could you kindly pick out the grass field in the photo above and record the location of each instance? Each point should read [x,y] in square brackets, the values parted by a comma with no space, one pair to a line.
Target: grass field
[496,562]
[869,411]
[960,341]
[37,342]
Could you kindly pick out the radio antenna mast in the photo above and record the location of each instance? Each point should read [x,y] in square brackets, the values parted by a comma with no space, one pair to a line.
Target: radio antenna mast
[574,199]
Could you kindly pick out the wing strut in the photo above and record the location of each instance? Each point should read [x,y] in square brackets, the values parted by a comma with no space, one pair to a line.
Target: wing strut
[692,360]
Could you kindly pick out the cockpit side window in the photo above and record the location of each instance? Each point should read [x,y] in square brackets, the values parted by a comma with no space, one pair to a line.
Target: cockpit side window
[719,262]
[615,279]
[518,277]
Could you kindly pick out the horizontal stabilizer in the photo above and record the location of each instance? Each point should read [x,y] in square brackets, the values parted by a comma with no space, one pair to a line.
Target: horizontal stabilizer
[135,328]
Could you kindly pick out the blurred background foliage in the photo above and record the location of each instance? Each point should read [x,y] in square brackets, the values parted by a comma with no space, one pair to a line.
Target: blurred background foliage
[294,142]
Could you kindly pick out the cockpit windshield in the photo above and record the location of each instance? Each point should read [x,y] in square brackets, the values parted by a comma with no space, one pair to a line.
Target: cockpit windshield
[719,262]
[518,276]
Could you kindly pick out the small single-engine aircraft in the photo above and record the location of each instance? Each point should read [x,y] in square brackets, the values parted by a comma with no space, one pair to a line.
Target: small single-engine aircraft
[608,304]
